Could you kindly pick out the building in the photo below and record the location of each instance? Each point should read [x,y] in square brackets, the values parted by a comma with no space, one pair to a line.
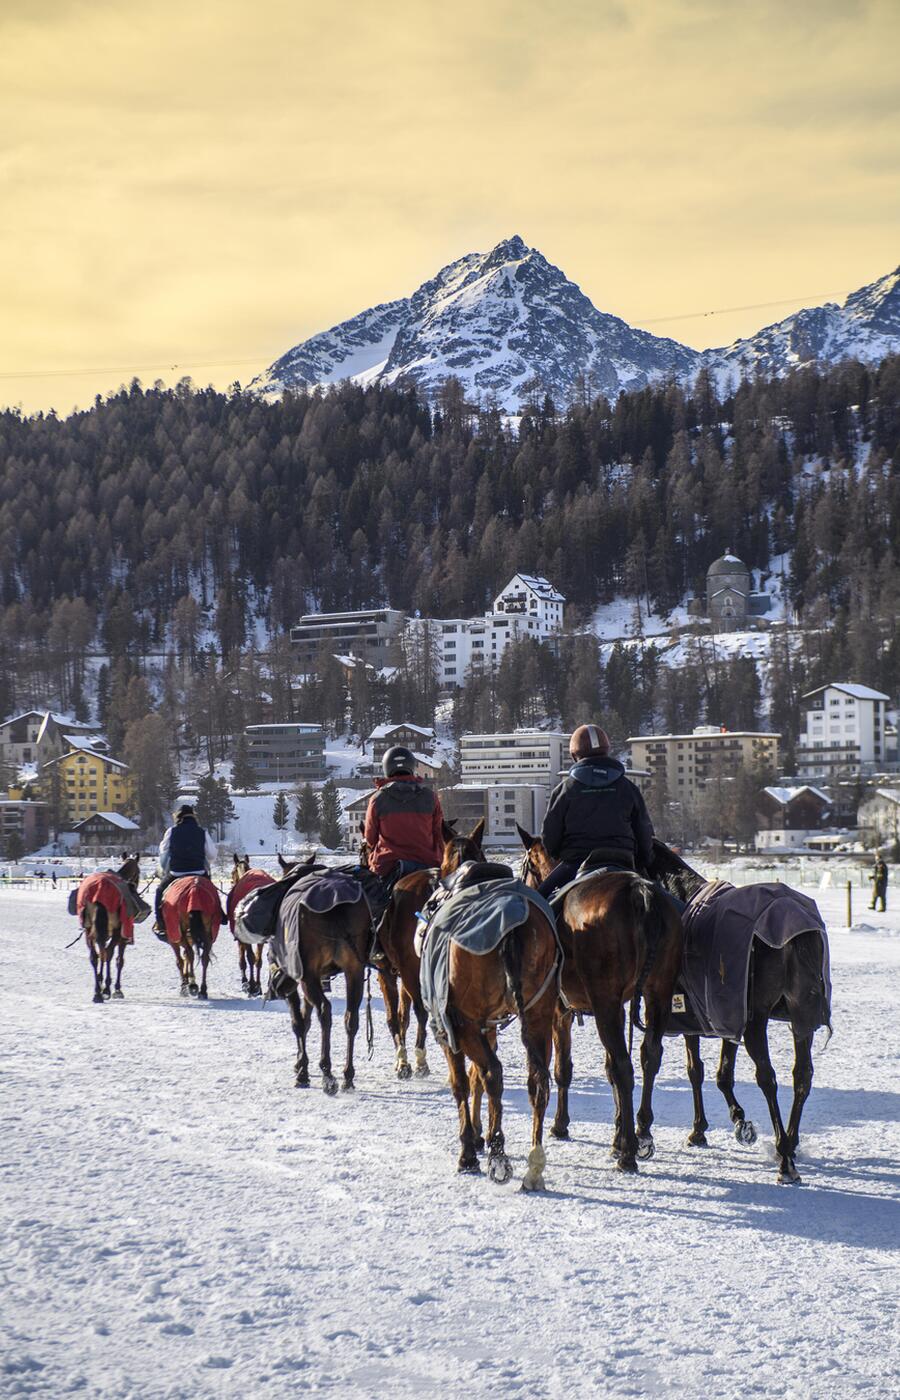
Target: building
[106,833]
[531,756]
[844,731]
[84,781]
[411,736]
[528,595]
[789,816]
[36,736]
[879,817]
[731,603]
[527,607]
[371,634]
[286,753]
[680,765]
[433,769]
[24,819]
[501,805]
[355,817]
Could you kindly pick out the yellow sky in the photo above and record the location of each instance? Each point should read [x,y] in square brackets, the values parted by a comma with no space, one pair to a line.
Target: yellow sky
[185,182]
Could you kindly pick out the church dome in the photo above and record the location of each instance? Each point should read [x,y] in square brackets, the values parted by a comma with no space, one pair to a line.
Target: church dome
[727,564]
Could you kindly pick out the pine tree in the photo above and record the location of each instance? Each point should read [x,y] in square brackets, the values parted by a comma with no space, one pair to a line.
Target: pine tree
[280,812]
[243,776]
[214,807]
[330,827]
[306,815]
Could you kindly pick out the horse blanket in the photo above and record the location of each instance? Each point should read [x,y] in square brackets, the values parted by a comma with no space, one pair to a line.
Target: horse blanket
[720,924]
[320,892]
[115,894]
[190,894]
[251,881]
[476,918]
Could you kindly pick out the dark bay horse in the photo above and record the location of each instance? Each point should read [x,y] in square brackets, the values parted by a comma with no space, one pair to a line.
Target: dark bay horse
[396,935]
[191,917]
[622,940]
[243,880]
[308,947]
[107,927]
[785,983]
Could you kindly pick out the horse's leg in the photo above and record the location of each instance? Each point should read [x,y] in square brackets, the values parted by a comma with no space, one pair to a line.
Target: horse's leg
[95,965]
[312,988]
[744,1130]
[610,1021]
[694,1061]
[107,957]
[388,983]
[242,964]
[468,1157]
[256,961]
[422,1068]
[205,951]
[482,1053]
[300,1024]
[562,1068]
[179,963]
[476,1095]
[757,1042]
[537,1036]
[120,960]
[355,980]
[803,1078]
[655,1016]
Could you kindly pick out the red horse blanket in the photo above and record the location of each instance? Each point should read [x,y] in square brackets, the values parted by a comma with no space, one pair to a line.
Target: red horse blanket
[251,881]
[109,890]
[185,896]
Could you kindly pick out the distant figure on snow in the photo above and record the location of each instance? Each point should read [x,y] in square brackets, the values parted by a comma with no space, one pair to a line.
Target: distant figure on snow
[879,878]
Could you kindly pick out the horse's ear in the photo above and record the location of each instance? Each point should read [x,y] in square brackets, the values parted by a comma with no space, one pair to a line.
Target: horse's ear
[525,837]
[447,831]
[477,831]
[283,863]
[124,855]
[311,860]
[235,859]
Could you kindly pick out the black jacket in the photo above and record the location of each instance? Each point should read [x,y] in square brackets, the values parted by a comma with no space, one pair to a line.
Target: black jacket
[597,807]
[187,846]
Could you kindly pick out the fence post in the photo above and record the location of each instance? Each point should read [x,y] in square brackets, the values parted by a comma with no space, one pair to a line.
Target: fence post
[849,903]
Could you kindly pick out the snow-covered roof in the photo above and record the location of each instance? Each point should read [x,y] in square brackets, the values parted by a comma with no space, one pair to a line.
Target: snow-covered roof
[381,731]
[784,795]
[436,762]
[889,795]
[542,586]
[95,753]
[114,819]
[859,692]
[728,563]
[88,741]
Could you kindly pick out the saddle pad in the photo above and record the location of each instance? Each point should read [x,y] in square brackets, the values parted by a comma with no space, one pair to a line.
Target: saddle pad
[720,924]
[558,896]
[253,880]
[476,918]
[323,891]
[114,894]
[190,894]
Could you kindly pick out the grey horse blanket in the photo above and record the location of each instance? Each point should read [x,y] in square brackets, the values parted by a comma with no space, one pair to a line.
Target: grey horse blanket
[319,892]
[720,924]
[476,918]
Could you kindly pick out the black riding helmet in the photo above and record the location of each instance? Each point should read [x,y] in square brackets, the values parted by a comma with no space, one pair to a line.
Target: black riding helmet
[398,761]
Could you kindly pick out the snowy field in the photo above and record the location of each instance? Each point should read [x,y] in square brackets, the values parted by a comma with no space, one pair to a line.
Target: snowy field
[179,1221]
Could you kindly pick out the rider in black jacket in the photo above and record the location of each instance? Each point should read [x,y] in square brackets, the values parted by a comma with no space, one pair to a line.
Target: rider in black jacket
[596,808]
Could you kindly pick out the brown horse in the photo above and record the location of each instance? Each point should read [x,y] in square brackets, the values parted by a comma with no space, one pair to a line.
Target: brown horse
[108,929]
[243,880]
[307,948]
[396,935]
[191,916]
[622,939]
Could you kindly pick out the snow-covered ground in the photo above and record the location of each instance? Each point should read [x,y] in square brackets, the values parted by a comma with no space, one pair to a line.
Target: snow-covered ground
[179,1221]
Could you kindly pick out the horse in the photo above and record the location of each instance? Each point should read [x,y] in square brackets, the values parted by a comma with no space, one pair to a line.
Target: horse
[396,934]
[517,979]
[243,880]
[108,928]
[191,916]
[622,940]
[786,983]
[316,946]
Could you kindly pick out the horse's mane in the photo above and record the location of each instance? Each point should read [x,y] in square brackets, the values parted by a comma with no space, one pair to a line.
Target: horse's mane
[675,874]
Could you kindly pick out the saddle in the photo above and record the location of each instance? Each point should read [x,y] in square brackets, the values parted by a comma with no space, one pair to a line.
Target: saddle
[601,861]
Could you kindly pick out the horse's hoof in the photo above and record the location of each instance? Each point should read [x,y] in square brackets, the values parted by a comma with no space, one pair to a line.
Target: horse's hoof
[697,1140]
[469,1166]
[627,1164]
[422,1070]
[348,1087]
[302,1081]
[646,1148]
[106,994]
[404,1071]
[329,1085]
[244,983]
[203,994]
[118,996]
[193,989]
[479,1143]
[533,1183]
[499,1168]
[98,997]
[559,1132]
[789,1175]
[184,990]
[744,1131]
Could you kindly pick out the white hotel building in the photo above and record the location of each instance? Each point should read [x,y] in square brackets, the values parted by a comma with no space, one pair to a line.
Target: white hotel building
[527,607]
[845,731]
[529,756]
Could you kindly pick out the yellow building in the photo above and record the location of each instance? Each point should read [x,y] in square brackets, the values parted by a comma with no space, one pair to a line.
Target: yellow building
[88,782]
[681,765]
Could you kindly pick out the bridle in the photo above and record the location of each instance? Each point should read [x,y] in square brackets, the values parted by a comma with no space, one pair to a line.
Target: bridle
[528,870]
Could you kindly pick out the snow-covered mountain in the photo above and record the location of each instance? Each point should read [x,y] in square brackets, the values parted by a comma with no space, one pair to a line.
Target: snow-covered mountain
[498,321]
[866,327]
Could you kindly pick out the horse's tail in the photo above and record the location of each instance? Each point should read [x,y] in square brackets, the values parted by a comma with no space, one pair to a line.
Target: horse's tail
[198,931]
[511,958]
[99,929]
[813,1001]
[648,904]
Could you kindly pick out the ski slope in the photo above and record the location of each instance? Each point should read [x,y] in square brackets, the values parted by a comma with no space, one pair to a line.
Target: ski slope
[179,1221]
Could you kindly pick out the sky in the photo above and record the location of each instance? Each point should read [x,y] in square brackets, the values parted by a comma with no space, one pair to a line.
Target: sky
[191,187]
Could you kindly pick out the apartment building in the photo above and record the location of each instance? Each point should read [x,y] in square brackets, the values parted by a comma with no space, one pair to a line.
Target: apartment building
[36,736]
[682,764]
[284,753]
[529,606]
[419,738]
[844,731]
[88,781]
[25,819]
[501,805]
[371,635]
[530,756]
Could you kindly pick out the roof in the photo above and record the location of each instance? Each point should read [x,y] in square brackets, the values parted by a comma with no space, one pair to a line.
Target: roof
[859,692]
[114,819]
[730,588]
[784,795]
[436,762]
[728,563]
[90,741]
[95,753]
[705,733]
[381,731]
[542,586]
[889,795]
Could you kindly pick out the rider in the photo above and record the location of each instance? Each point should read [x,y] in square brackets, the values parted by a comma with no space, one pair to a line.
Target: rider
[404,821]
[596,808]
[186,849]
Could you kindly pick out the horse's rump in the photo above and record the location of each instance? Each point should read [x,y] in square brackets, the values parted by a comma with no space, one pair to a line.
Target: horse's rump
[720,924]
[333,923]
[110,891]
[252,880]
[189,895]
[477,918]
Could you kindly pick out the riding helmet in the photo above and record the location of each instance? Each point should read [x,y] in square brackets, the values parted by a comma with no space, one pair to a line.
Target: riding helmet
[397,761]
[589,741]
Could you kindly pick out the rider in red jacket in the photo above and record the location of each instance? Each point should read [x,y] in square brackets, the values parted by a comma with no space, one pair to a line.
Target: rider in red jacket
[404,821]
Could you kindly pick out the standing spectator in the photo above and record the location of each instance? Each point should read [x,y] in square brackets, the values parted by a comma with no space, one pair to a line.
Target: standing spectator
[879,878]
